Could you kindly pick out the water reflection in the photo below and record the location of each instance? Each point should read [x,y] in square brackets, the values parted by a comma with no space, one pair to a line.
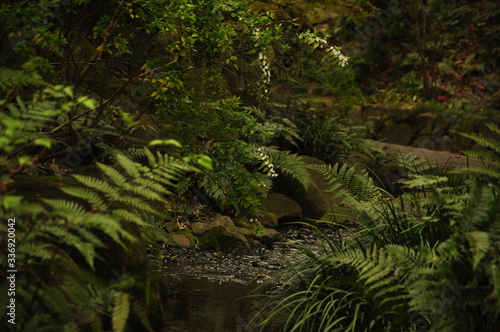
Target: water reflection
[204,305]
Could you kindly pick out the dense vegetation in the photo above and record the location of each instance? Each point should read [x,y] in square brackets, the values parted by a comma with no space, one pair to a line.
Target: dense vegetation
[427,260]
[175,101]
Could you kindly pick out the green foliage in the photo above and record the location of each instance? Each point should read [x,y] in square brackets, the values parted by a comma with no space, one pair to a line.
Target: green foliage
[427,261]
[62,242]
[489,172]
[332,137]
[49,237]
[10,78]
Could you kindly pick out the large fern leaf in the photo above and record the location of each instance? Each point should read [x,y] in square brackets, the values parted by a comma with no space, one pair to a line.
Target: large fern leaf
[121,310]
[10,78]
[290,163]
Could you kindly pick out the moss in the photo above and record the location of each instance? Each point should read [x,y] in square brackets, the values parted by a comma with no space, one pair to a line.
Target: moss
[219,239]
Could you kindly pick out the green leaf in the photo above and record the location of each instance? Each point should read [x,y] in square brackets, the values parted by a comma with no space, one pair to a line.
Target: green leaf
[121,311]
[44,141]
[165,142]
[25,160]
[69,91]
[87,102]
[11,202]
[206,162]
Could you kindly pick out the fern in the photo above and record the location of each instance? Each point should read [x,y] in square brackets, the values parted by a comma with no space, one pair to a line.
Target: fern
[354,188]
[290,163]
[91,197]
[489,172]
[480,245]
[10,78]
[121,310]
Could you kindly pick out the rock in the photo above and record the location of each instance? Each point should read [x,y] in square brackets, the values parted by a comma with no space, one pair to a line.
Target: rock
[424,123]
[435,158]
[284,208]
[443,143]
[402,114]
[270,220]
[181,240]
[369,112]
[220,220]
[245,231]
[424,142]
[217,221]
[171,227]
[269,236]
[446,122]
[200,227]
[220,233]
[401,133]
[220,239]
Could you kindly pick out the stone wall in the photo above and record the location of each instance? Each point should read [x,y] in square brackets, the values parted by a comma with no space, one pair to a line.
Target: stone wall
[425,130]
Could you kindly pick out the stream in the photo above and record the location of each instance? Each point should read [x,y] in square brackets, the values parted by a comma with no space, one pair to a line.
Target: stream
[216,292]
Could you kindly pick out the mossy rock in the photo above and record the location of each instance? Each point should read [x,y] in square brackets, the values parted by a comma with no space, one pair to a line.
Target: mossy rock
[181,240]
[220,239]
[270,220]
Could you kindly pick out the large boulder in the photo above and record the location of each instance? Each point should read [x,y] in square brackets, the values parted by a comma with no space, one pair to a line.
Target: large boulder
[284,208]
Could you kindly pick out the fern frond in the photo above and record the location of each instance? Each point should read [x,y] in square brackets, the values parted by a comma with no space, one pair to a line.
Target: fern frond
[108,224]
[349,180]
[121,310]
[128,165]
[291,164]
[115,176]
[88,252]
[136,203]
[40,251]
[487,156]
[10,78]
[413,163]
[147,193]
[129,216]
[353,187]
[142,314]
[153,185]
[61,234]
[487,142]
[65,207]
[97,184]
[89,236]
[87,195]
[480,245]
[423,181]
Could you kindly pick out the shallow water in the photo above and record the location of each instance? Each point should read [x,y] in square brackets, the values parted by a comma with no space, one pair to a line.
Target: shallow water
[206,305]
[214,292]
